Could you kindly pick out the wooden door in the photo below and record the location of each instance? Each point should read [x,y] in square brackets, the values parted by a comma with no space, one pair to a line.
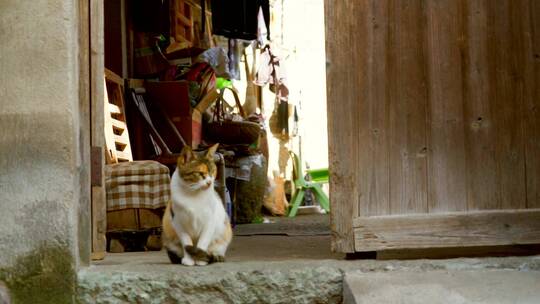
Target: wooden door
[434,123]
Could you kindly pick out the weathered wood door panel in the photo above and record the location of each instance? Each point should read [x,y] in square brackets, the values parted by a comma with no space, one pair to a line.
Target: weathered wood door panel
[434,122]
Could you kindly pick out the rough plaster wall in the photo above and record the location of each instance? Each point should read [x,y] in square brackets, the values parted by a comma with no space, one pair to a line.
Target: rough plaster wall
[39,130]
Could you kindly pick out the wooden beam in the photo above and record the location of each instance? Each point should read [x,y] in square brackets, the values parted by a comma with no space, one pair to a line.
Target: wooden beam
[118,124]
[184,20]
[85,211]
[113,77]
[121,139]
[207,100]
[97,65]
[129,38]
[123,156]
[345,86]
[458,229]
[114,109]
[133,83]
[124,33]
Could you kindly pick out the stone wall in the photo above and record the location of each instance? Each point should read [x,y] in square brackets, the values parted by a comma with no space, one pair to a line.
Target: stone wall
[40,151]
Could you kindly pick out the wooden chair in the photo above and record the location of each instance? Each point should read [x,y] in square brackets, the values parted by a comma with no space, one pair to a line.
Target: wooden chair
[301,185]
[129,211]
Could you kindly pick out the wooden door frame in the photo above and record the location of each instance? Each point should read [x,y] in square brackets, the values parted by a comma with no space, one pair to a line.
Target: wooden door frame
[84,225]
[97,72]
[343,204]
[91,76]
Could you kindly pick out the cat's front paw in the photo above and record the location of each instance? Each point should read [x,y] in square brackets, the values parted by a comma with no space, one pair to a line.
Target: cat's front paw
[217,259]
[197,253]
[188,261]
[201,263]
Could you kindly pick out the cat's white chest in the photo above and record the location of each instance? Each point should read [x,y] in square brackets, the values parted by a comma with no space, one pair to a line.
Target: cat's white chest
[193,211]
[199,208]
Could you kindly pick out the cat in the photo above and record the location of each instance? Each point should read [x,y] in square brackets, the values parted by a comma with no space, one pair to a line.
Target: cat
[196,228]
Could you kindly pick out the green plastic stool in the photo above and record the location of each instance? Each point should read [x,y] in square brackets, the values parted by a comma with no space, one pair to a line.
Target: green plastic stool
[319,177]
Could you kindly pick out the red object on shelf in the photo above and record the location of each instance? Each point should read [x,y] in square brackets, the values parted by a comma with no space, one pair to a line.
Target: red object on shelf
[173,98]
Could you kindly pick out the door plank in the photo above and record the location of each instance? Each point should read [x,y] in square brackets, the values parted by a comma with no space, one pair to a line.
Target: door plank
[406,80]
[506,96]
[531,24]
[459,229]
[447,189]
[373,145]
[345,27]
[480,135]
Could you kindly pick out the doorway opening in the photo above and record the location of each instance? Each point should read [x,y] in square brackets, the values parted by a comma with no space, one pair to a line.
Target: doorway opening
[152,55]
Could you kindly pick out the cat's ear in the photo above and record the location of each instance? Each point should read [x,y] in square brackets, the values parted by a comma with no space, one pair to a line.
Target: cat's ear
[185,156]
[211,151]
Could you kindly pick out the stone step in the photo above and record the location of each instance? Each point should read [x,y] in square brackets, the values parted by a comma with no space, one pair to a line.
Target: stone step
[432,287]
[150,278]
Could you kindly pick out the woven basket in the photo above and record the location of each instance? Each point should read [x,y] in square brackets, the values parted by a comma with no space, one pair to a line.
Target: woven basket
[227,131]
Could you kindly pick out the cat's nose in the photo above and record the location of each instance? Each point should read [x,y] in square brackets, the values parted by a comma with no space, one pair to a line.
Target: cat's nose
[208,183]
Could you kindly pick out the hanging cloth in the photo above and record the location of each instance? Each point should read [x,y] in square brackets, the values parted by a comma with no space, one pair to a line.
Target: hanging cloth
[270,70]
[279,120]
[235,52]
[262,29]
[251,100]
[237,19]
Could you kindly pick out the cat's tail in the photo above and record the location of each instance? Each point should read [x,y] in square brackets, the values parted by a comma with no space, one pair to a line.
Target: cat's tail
[202,255]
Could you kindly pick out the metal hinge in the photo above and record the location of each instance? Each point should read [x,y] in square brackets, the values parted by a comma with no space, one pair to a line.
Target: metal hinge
[96,158]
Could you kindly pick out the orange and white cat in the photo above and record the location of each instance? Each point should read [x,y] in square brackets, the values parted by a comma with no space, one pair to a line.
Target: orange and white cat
[196,228]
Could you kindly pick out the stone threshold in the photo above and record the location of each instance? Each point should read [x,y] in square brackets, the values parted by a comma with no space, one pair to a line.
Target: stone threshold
[293,281]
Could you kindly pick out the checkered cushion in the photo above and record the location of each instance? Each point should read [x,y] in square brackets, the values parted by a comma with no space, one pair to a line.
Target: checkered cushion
[137,184]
